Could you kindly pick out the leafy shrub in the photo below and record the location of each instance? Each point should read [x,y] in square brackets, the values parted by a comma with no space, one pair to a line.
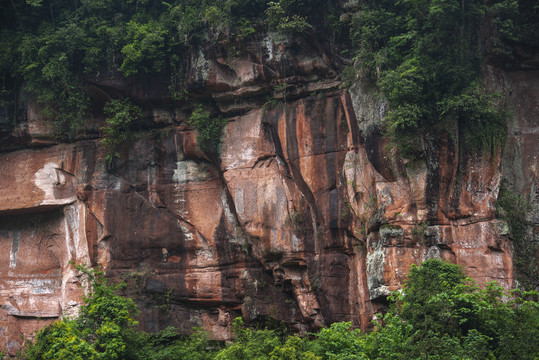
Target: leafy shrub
[294,348]
[121,116]
[209,129]
[145,50]
[439,314]
[339,341]
[168,345]
[249,344]
[49,65]
[104,329]
[424,57]
[278,20]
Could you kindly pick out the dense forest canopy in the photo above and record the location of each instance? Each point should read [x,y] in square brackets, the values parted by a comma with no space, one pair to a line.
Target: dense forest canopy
[425,56]
[50,47]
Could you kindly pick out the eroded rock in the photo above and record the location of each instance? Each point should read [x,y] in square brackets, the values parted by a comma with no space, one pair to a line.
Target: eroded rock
[306,215]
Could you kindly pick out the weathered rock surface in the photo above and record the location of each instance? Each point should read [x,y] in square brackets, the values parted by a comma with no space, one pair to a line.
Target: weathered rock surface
[306,216]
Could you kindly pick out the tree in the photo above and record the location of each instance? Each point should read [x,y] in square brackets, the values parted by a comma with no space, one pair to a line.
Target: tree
[441,314]
[104,330]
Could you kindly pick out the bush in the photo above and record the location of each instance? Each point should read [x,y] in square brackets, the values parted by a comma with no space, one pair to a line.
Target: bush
[104,329]
[278,20]
[339,341]
[209,129]
[425,58]
[145,50]
[439,314]
[121,116]
[249,344]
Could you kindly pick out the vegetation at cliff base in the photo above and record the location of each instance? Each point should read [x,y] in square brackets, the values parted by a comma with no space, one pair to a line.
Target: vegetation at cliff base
[439,314]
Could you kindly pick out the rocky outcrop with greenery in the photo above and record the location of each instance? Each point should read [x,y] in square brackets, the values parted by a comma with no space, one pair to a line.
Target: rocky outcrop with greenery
[280,161]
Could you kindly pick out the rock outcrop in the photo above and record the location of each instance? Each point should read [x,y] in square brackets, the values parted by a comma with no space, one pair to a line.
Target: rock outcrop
[306,215]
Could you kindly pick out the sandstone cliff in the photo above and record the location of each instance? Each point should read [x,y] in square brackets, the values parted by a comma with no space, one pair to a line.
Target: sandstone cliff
[306,216]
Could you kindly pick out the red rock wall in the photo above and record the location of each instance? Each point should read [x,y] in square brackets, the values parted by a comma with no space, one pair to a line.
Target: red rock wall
[305,217]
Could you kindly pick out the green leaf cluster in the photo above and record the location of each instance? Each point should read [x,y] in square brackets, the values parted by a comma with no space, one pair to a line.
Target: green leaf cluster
[425,57]
[122,115]
[209,129]
[441,314]
[278,20]
[51,49]
[104,329]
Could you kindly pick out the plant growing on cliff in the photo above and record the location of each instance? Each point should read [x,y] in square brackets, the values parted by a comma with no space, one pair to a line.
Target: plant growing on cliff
[106,330]
[512,208]
[439,314]
[278,20]
[121,116]
[209,129]
[145,48]
[424,57]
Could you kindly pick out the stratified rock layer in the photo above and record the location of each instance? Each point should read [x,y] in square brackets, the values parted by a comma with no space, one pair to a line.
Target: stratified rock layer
[306,216]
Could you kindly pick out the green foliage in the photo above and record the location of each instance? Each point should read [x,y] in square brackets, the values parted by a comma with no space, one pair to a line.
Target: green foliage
[390,341]
[442,315]
[295,348]
[339,341]
[168,345]
[104,329]
[424,56]
[244,28]
[278,20]
[209,129]
[145,48]
[121,116]
[439,314]
[481,117]
[516,21]
[48,66]
[249,344]
[52,48]
[511,207]
[61,340]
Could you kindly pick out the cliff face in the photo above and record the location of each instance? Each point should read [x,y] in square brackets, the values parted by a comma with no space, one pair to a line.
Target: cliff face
[306,216]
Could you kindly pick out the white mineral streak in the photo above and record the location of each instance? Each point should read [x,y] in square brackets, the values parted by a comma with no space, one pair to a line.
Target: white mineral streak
[375,271]
[15,241]
[268,44]
[180,178]
[68,240]
[77,250]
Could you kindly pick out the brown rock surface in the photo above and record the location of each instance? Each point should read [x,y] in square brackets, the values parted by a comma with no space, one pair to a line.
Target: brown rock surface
[305,217]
